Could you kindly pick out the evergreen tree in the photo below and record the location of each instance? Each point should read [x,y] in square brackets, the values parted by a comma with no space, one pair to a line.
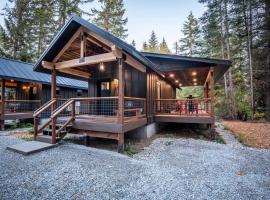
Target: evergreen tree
[190,43]
[163,47]
[176,48]
[145,47]
[16,35]
[133,43]
[111,17]
[153,43]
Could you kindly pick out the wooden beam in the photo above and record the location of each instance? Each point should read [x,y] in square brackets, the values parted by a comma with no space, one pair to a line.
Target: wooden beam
[76,72]
[208,75]
[117,51]
[106,57]
[98,37]
[67,45]
[47,65]
[134,63]
[83,46]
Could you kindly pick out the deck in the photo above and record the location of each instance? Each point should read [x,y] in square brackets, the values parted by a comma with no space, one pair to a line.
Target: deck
[17,115]
[191,119]
[105,123]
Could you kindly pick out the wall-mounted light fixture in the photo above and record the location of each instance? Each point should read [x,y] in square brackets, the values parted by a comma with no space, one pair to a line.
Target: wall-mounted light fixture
[102,67]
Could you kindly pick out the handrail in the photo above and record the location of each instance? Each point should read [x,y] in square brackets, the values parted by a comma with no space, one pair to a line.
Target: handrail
[62,108]
[182,99]
[20,100]
[44,107]
[93,98]
[135,98]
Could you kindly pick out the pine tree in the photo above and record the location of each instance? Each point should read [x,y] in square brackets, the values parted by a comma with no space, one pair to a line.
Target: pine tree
[153,43]
[15,35]
[176,48]
[145,47]
[133,43]
[65,8]
[190,43]
[163,47]
[111,17]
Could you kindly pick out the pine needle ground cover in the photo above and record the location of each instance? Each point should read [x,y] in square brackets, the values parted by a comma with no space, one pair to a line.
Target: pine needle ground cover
[253,134]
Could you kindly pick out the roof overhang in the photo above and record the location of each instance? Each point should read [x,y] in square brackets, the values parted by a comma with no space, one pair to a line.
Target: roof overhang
[184,66]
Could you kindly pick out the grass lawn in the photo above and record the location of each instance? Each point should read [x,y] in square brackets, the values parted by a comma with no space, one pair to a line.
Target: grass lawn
[254,134]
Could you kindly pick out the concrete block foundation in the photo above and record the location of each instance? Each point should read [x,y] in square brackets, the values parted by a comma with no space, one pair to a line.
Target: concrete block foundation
[144,132]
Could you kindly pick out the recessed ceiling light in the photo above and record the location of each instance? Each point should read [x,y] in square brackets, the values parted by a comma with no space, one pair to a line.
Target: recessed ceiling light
[176,81]
[194,79]
[171,75]
[195,84]
[180,85]
[194,73]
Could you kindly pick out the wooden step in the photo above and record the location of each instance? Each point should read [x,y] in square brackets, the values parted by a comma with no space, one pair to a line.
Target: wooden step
[48,131]
[46,138]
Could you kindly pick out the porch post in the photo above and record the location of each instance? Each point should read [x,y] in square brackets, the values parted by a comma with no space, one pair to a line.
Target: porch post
[53,96]
[121,91]
[212,96]
[3,104]
[206,96]
[121,84]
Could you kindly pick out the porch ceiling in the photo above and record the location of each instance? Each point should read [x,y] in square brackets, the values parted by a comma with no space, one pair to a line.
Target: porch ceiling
[188,77]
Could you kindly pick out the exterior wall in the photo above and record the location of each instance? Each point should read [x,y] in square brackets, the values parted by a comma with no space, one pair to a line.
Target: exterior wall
[167,92]
[64,92]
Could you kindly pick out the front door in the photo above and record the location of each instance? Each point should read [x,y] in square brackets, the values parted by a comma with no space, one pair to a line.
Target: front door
[105,106]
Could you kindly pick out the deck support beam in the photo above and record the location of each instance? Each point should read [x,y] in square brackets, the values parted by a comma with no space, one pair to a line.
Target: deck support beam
[3,91]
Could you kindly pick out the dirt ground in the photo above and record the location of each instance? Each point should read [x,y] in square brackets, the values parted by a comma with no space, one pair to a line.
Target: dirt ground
[254,134]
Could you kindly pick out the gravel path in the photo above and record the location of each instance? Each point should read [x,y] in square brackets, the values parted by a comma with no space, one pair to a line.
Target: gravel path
[167,169]
[227,136]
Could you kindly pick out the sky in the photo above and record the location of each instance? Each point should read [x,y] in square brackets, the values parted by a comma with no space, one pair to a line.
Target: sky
[165,17]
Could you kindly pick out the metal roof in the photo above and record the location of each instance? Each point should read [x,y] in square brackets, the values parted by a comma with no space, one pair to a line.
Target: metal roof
[22,71]
[68,31]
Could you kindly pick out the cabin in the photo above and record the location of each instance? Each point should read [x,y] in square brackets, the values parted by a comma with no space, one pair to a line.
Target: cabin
[23,90]
[128,91]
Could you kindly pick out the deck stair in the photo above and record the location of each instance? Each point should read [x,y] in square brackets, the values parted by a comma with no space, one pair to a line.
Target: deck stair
[53,130]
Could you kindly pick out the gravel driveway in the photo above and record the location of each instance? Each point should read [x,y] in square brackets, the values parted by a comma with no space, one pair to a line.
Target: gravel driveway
[168,169]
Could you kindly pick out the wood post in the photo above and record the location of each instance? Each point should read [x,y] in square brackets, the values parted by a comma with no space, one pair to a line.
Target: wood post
[3,92]
[120,146]
[35,127]
[121,102]
[212,96]
[206,96]
[53,96]
[121,85]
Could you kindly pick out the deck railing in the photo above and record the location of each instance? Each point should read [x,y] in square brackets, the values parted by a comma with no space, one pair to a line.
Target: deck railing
[21,106]
[182,107]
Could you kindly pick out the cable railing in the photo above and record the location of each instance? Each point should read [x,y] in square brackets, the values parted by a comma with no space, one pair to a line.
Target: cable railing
[182,107]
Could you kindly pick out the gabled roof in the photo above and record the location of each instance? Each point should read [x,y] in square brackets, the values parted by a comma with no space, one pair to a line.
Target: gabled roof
[69,29]
[22,71]
[170,62]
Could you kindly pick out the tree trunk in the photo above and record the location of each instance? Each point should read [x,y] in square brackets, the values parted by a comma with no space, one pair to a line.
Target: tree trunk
[228,47]
[267,29]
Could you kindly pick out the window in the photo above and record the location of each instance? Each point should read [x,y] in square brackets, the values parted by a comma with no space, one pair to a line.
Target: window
[105,85]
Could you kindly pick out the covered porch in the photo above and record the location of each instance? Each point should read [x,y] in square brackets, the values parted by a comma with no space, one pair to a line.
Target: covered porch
[188,72]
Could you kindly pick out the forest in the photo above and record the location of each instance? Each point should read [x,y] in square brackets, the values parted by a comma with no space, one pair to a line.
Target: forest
[236,30]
